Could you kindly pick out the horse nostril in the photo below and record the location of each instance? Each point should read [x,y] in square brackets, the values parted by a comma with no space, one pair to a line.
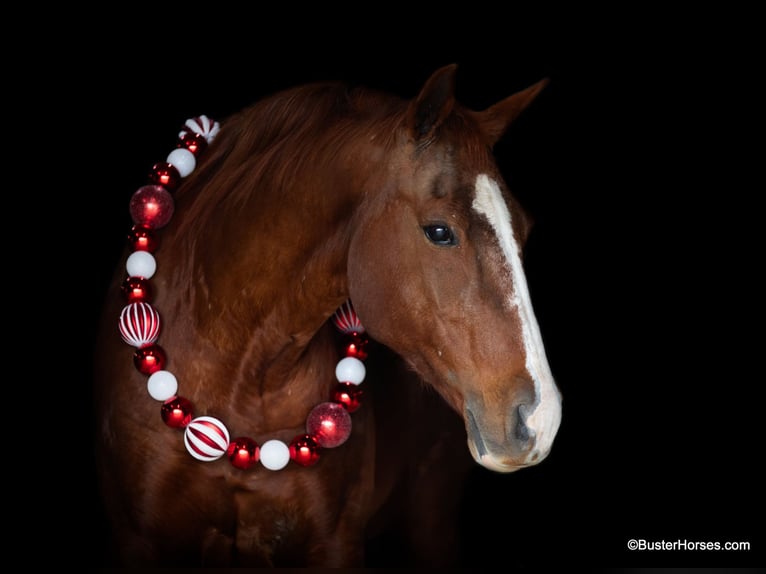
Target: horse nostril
[520,430]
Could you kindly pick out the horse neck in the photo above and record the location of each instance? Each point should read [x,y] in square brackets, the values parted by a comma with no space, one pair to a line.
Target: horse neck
[251,281]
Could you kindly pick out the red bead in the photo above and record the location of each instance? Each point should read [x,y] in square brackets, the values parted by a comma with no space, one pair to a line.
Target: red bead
[195,143]
[304,450]
[166,175]
[355,345]
[136,290]
[151,206]
[347,394]
[150,359]
[177,412]
[142,238]
[329,424]
[243,452]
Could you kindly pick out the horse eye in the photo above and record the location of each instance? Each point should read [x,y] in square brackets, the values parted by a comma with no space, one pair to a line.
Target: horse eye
[440,234]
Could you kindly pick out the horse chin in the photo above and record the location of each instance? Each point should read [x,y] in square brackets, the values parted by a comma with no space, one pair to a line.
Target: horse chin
[495,464]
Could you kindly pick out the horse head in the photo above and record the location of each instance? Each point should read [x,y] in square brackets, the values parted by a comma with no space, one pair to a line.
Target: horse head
[435,273]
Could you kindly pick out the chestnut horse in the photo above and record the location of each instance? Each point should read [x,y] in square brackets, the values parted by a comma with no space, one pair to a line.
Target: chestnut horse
[308,198]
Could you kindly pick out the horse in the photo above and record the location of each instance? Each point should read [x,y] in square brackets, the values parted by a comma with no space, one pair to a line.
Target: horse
[328,248]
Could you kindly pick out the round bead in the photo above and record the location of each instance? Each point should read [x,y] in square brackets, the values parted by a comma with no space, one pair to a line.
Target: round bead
[355,345]
[183,160]
[243,452]
[195,143]
[350,370]
[275,454]
[304,450]
[346,319]
[150,359]
[162,385]
[141,264]
[152,206]
[139,324]
[164,174]
[136,289]
[349,395]
[177,412]
[142,238]
[329,424]
[206,438]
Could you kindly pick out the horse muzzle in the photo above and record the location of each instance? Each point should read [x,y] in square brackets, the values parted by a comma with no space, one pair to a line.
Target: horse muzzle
[523,439]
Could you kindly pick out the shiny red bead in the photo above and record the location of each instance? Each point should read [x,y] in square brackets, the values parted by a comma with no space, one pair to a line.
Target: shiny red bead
[349,395]
[177,412]
[329,424]
[355,345]
[243,452]
[304,450]
[150,359]
[151,206]
[136,290]
[195,143]
[142,238]
[165,174]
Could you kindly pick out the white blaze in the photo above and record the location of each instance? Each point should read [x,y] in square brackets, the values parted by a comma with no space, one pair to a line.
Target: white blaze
[544,420]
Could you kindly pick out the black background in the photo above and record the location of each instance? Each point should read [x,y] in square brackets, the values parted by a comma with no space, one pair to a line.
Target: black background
[642,263]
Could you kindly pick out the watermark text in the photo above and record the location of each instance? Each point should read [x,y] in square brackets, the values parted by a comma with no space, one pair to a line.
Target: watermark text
[686,545]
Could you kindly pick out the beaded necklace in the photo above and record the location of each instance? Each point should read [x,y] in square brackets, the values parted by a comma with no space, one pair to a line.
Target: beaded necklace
[206,438]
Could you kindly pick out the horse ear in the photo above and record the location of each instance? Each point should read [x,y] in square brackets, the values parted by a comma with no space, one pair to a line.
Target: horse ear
[496,119]
[434,102]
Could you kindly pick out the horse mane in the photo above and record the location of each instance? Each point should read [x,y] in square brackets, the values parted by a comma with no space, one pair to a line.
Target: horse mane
[265,145]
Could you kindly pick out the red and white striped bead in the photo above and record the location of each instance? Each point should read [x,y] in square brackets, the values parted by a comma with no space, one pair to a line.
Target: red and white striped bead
[206,438]
[139,324]
[346,319]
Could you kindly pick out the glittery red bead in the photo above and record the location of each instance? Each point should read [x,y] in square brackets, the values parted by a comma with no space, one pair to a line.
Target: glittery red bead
[355,345]
[177,412]
[166,175]
[329,424]
[243,452]
[347,394]
[195,143]
[136,290]
[142,238]
[304,450]
[150,359]
[152,206]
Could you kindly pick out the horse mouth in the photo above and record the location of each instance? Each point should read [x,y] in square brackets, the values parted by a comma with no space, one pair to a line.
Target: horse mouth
[484,456]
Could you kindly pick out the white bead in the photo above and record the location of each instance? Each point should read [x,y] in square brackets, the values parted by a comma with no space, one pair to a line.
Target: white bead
[141,264]
[162,385]
[275,454]
[350,370]
[183,160]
